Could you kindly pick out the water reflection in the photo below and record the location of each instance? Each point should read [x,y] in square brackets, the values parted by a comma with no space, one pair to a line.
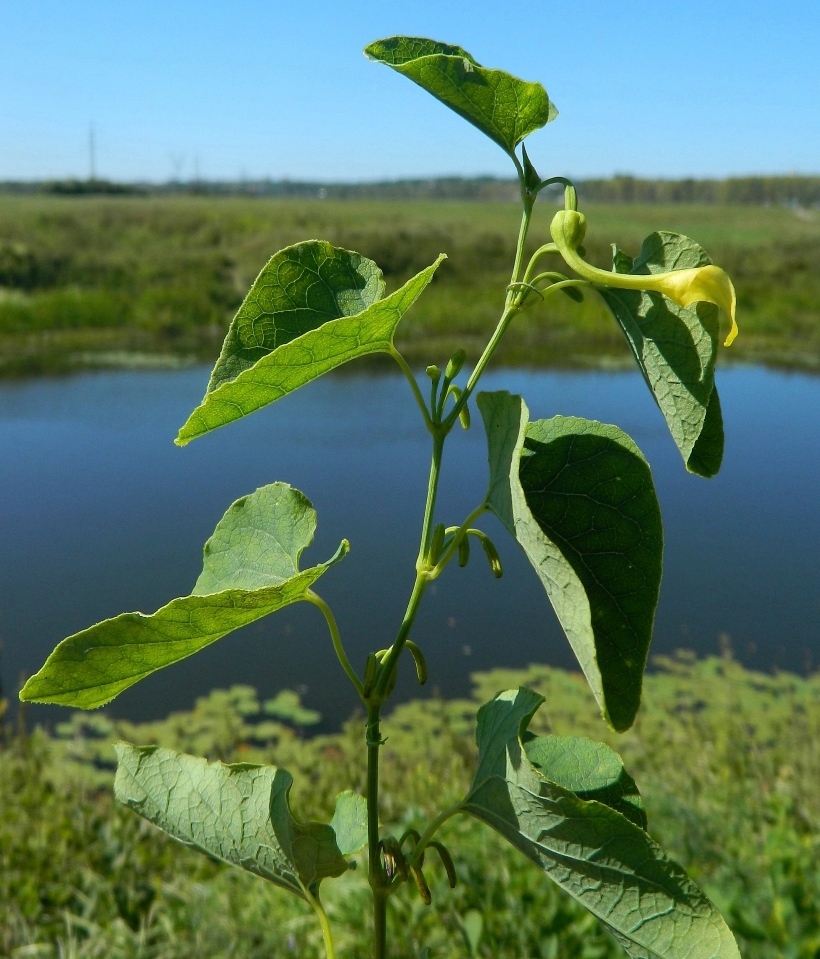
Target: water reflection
[101,513]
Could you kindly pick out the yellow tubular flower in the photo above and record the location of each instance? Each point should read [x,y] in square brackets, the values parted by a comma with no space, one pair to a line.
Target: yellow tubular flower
[707,284]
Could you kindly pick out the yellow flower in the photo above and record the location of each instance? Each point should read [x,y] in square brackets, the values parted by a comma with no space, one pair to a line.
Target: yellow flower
[707,284]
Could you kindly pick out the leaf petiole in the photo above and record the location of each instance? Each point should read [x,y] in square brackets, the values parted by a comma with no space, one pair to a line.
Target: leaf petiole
[317,601]
[324,922]
[417,854]
[411,379]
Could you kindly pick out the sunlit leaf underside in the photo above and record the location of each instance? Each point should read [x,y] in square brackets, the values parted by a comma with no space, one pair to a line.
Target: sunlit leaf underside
[250,570]
[237,813]
[313,308]
[604,861]
[503,107]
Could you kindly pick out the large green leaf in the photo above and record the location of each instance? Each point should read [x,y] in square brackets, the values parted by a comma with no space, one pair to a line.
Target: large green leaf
[502,106]
[250,569]
[675,348]
[311,309]
[610,865]
[239,814]
[589,769]
[578,497]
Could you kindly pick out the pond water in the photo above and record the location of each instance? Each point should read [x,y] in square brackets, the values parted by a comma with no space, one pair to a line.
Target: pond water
[101,513]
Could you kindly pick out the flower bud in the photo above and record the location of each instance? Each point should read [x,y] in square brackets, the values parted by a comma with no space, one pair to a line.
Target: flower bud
[454,366]
[493,557]
[420,661]
[568,229]
[436,542]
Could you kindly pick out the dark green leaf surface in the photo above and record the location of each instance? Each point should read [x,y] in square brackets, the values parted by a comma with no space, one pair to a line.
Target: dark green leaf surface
[578,497]
[589,769]
[313,308]
[599,857]
[675,348]
[239,814]
[350,822]
[503,107]
[250,569]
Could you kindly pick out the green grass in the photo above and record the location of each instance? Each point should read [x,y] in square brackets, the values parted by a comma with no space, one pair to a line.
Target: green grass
[728,762]
[94,275]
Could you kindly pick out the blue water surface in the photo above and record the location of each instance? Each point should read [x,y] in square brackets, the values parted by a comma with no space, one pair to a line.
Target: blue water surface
[101,513]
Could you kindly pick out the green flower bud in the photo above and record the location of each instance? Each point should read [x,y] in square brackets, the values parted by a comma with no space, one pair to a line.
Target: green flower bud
[455,364]
[568,229]
[436,543]
[420,661]
[464,551]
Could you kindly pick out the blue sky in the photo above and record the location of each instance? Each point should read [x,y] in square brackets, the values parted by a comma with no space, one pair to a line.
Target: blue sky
[255,89]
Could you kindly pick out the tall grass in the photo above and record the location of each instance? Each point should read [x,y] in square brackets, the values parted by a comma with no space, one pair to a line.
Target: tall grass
[166,274]
[728,761]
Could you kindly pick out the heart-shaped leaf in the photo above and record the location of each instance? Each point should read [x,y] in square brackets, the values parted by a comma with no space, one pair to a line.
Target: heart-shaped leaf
[578,496]
[675,348]
[250,570]
[604,861]
[312,308]
[503,107]
[239,814]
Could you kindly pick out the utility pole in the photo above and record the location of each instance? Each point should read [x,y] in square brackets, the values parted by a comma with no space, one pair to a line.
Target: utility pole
[91,158]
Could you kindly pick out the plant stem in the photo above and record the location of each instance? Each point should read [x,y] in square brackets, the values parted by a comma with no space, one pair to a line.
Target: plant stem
[413,385]
[376,874]
[330,951]
[422,567]
[317,600]
[379,883]
[510,309]
[439,436]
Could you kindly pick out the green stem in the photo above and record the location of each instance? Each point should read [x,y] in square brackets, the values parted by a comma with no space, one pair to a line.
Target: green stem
[544,250]
[570,196]
[330,951]
[439,436]
[376,875]
[510,309]
[413,385]
[317,600]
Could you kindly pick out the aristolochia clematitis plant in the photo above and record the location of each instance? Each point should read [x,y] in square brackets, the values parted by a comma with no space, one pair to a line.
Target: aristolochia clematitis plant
[576,494]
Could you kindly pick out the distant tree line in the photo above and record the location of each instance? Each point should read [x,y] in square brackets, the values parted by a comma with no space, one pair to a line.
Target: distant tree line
[792,190]
[743,191]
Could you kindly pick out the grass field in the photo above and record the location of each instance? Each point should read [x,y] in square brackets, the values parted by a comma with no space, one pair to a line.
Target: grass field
[87,281]
[728,762]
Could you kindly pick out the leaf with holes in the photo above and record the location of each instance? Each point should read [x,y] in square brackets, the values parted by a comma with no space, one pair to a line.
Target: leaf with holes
[578,497]
[250,569]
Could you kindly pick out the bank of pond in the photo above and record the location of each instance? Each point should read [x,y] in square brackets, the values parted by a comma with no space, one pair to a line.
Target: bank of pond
[87,281]
[727,760]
